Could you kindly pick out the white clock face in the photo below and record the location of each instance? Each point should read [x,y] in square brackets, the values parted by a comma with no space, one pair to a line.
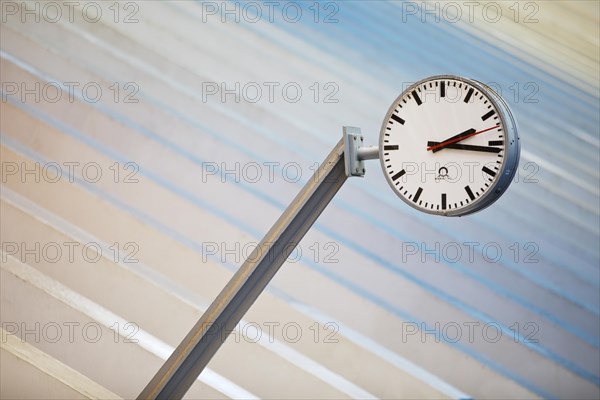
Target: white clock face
[444,146]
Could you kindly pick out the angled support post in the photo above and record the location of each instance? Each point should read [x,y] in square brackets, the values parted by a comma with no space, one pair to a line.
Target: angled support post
[188,360]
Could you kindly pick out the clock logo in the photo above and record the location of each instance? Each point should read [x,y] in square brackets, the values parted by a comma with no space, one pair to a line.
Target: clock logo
[442,174]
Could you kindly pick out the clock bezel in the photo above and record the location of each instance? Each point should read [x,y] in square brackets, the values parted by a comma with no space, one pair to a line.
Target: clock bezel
[510,159]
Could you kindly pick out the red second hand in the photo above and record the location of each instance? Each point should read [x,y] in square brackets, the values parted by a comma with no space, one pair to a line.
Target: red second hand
[437,146]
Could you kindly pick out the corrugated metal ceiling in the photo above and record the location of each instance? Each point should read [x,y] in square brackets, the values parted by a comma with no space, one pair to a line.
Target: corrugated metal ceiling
[180,194]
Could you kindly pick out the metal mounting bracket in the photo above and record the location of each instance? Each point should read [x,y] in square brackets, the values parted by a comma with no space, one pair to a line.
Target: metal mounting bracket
[355,152]
[353,139]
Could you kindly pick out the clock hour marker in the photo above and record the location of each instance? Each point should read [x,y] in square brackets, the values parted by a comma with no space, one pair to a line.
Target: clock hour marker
[443,201]
[495,143]
[488,171]
[417,195]
[489,114]
[390,147]
[469,94]
[397,119]
[470,193]
[442,89]
[417,98]
[398,175]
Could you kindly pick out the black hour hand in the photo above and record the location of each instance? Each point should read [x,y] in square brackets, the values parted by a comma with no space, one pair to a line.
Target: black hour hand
[454,139]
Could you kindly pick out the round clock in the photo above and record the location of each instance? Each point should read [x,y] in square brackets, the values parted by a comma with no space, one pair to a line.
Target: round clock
[449,146]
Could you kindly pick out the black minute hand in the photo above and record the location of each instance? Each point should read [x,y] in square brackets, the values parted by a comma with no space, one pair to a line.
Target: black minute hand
[458,138]
[460,146]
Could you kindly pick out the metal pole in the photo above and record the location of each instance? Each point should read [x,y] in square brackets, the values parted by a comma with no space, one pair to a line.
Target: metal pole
[188,360]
